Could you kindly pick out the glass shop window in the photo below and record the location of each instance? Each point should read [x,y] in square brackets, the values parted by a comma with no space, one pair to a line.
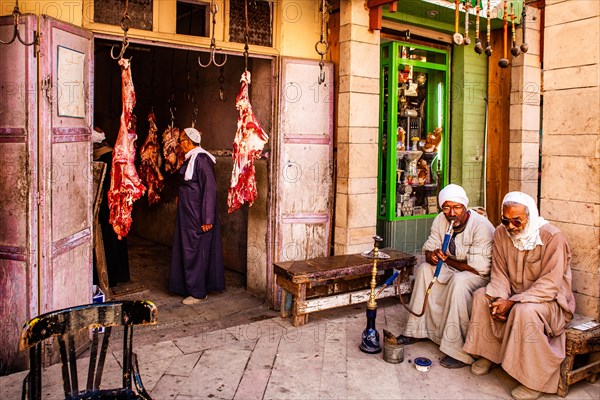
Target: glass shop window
[414,130]
[192,18]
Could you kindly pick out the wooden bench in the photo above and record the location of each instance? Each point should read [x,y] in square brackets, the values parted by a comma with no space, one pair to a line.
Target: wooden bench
[585,344]
[328,282]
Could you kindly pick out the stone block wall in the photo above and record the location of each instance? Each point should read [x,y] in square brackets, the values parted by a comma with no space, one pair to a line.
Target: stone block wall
[525,108]
[358,126]
[570,180]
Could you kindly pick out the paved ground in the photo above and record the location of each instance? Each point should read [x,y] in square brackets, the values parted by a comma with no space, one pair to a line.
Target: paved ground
[233,347]
[270,359]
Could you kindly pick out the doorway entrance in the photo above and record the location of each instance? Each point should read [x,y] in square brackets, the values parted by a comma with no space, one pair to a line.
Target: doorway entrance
[170,83]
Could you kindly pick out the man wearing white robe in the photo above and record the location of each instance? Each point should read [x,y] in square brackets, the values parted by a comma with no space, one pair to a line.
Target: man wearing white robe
[466,268]
[519,318]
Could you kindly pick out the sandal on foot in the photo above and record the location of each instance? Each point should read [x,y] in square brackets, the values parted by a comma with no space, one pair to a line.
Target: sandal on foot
[190,300]
[406,340]
[452,363]
[481,366]
[522,392]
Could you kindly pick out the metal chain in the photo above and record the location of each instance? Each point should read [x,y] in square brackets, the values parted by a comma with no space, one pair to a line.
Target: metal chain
[322,46]
[125,25]
[221,82]
[246,36]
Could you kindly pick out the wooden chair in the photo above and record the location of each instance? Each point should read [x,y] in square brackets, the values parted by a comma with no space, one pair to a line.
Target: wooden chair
[64,324]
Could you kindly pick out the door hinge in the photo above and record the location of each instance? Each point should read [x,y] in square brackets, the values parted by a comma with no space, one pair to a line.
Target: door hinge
[47,88]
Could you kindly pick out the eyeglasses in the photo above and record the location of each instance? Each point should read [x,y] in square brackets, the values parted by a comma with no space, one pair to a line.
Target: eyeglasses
[517,223]
[457,208]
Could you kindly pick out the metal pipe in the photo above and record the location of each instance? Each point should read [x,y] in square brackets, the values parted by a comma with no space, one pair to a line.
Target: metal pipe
[438,269]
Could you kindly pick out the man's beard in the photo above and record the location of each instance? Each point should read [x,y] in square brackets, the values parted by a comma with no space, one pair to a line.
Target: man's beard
[515,235]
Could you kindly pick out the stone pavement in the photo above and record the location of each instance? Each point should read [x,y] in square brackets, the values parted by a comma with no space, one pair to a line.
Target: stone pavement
[270,359]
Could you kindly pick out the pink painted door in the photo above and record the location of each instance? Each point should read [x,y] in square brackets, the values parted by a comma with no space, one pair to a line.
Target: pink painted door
[65,168]
[304,165]
[18,188]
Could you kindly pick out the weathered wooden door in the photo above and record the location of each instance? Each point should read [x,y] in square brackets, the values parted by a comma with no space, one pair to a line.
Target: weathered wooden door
[18,187]
[65,164]
[46,180]
[304,165]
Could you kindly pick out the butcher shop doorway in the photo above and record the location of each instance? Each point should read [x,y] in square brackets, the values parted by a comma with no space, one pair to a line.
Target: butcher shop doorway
[170,83]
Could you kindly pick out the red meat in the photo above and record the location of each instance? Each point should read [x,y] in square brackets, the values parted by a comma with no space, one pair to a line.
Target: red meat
[248,144]
[151,162]
[125,184]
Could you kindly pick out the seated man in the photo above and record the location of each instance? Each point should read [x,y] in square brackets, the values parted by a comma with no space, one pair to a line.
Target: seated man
[519,319]
[466,268]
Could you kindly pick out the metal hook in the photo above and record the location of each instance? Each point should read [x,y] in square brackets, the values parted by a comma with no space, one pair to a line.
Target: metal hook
[321,72]
[125,25]
[172,110]
[214,9]
[212,59]
[16,34]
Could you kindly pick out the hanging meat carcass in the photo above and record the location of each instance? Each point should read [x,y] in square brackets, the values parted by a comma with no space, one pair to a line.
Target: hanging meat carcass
[174,155]
[151,162]
[125,184]
[248,144]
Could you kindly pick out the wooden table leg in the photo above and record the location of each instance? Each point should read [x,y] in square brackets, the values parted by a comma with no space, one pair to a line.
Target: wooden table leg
[299,318]
[565,368]
[287,299]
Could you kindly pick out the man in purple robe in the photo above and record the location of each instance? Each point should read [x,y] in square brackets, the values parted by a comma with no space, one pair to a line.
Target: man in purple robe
[197,262]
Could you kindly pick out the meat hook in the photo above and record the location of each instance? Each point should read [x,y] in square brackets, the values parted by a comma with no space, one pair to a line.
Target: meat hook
[214,9]
[16,34]
[125,24]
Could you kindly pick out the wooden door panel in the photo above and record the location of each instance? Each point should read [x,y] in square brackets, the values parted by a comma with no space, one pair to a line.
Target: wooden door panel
[300,238]
[304,183]
[18,193]
[70,163]
[66,181]
[306,178]
[305,103]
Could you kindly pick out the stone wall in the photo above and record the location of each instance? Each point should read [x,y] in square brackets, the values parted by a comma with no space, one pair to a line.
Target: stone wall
[525,107]
[358,124]
[570,190]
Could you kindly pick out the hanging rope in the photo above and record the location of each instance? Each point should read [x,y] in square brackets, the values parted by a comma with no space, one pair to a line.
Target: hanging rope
[16,34]
[214,9]
[322,46]
[125,25]
[246,36]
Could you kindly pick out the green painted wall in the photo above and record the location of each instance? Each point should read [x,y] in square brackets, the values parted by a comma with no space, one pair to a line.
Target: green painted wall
[468,112]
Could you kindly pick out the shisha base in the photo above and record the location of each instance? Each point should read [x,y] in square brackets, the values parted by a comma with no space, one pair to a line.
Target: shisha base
[370,337]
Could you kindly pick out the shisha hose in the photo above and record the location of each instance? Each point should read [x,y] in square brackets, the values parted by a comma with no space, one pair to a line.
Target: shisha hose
[438,269]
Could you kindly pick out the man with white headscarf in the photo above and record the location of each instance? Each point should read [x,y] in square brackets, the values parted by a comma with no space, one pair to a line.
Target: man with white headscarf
[466,268]
[519,318]
[197,261]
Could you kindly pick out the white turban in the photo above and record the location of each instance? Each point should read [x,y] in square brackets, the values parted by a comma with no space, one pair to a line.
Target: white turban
[530,236]
[196,137]
[98,136]
[193,134]
[453,193]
